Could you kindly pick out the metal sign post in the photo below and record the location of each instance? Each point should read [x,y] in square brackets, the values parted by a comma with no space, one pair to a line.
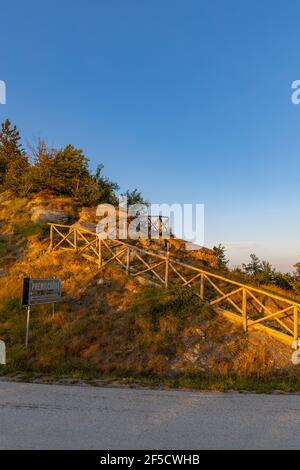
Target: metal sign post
[39,291]
[2,353]
[27,326]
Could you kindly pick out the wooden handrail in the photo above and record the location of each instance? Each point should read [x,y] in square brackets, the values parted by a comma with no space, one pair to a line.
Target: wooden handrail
[248,292]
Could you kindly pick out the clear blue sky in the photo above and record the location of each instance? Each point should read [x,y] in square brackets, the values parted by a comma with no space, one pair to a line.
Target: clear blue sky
[187,100]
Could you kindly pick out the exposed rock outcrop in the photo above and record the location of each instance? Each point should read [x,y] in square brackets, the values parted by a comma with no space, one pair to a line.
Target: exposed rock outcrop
[42,214]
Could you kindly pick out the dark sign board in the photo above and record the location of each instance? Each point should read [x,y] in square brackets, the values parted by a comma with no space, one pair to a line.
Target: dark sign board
[38,291]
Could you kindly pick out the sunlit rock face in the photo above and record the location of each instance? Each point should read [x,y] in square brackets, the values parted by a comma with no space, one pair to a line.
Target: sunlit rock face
[42,214]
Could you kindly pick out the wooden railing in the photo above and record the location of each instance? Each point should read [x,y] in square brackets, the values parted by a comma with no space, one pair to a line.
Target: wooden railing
[248,305]
[158,224]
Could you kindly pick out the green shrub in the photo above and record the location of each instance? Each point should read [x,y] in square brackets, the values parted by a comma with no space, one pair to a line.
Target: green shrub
[27,228]
[155,302]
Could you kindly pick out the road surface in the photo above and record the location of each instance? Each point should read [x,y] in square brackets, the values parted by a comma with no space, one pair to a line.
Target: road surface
[36,416]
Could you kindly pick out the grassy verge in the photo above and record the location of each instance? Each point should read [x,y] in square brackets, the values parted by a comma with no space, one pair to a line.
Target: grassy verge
[159,339]
[268,384]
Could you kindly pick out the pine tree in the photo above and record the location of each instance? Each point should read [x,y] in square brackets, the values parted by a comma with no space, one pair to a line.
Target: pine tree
[42,169]
[70,170]
[254,267]
[13,161]
[220,251]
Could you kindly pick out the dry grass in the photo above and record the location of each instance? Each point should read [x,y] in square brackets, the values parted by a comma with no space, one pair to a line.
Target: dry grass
[109,325]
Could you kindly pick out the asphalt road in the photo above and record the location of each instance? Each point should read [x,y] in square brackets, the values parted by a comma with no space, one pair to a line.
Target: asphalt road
[34,416]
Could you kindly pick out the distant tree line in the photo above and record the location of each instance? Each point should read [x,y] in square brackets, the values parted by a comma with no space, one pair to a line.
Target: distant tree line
[264,273]
[260,272]
[62,171]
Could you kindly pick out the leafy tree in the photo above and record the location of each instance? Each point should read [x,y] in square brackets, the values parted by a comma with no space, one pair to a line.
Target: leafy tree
[263,273]
[66,171]
[71,176]
[297,266]
[135,197]
[57,171]
[295,279]
[283,280]
[106,188]
[220,252]
[266,273]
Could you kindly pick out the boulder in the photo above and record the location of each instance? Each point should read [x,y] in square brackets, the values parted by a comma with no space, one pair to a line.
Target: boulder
[42,214]
[87,214]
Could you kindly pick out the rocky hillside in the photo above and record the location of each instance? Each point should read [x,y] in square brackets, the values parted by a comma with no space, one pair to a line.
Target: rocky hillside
[109,325]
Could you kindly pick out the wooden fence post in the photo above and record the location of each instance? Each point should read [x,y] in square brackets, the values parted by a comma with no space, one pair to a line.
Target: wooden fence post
[295,322]
[75,239]
[244,308]
[128,260]
[51,236]
[160,226]
[167,265]
[202,287]
[168,228]
[99,252]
